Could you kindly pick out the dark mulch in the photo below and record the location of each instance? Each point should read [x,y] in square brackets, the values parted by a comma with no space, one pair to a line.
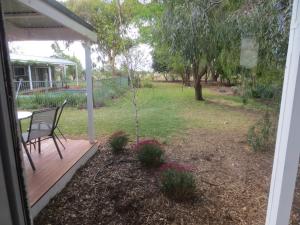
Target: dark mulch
[232,186]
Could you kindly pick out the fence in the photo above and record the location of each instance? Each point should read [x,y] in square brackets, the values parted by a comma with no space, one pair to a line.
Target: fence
[43,95]
[26,87]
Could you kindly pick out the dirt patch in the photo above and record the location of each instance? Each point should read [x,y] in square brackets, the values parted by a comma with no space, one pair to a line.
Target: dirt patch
[232,186]
[222,90]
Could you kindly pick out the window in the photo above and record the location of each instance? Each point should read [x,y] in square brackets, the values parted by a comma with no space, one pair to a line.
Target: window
[19,73]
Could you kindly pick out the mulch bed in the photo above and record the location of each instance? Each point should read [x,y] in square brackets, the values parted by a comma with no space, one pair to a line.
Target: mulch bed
[232,186]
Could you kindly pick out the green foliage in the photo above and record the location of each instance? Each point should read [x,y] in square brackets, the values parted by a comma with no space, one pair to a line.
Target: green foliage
[148,85]
[105,18]
[150,155]
[102,91]
[166,63]
[118,141]
[211,33]
[43,100]
[178,185]
[71,70]
[261,136]
[265,91]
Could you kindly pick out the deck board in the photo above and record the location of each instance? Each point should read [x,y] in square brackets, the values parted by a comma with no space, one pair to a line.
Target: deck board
[49,167]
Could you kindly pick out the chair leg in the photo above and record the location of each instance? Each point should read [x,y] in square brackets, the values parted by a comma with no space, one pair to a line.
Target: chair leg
[56,145]
[39,145]
[61,133]
[34,144]
[28,155]
[59,140]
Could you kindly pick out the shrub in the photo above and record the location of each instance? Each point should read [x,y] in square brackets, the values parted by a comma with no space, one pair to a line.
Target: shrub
[178,184]
[146,142]
[147,85]
[265,91]
[46,100]
[118,141]
[261,136]
[150,153]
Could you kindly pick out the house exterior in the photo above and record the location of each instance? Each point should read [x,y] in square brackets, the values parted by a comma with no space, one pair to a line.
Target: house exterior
[34,20]
[34,72]
[58,23]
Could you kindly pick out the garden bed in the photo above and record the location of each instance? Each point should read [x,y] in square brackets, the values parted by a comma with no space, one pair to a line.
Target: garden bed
[232,186]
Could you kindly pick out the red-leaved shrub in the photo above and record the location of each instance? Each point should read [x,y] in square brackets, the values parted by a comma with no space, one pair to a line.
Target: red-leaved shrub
[146,142]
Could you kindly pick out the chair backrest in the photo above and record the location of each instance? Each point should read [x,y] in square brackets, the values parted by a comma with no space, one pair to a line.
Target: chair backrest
[60,112]
[42,123]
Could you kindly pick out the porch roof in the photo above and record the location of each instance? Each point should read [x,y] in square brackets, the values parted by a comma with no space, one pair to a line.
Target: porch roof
[27,59]
[44,20]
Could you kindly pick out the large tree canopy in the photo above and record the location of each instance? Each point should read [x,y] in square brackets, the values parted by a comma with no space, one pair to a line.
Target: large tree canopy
[208,34]
[198,37]
[104,16]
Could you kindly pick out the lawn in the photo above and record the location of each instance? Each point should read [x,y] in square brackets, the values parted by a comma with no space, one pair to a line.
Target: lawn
[164,111]
[232,181]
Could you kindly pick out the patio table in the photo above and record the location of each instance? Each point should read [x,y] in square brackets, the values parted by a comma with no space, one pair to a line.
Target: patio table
[24,115]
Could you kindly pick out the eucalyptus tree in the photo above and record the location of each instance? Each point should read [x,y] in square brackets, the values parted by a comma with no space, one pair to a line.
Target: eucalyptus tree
[266,22]
[59,52]
[104,16]
[188,27]
[160,61]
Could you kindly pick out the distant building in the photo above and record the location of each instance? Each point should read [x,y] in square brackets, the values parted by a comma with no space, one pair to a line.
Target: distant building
[37,72]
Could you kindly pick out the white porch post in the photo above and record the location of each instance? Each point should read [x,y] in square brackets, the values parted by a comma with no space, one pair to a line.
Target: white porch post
[50,76]
[65,72]
[30,77]
[287,151]
[76,73]
[90,107]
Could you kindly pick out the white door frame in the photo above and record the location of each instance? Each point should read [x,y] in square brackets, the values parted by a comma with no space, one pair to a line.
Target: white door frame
[287,150]
[13,205]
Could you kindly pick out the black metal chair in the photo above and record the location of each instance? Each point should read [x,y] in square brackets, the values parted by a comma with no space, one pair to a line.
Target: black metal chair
[42,126]
[56,126]
[57,121]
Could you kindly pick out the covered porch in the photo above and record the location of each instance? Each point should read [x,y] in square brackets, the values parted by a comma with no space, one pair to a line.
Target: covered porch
[38,74]
[53,173]
[35,20]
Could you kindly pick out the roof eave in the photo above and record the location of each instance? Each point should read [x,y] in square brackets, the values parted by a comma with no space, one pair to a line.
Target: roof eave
[59,13]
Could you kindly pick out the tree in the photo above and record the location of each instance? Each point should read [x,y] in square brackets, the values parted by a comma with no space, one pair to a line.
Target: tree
[70,70]
[208,34]
[166,63]
[104,16]
[188,27]
[161,62]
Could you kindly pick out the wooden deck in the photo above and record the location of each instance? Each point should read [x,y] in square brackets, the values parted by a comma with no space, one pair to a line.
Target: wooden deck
[50,168]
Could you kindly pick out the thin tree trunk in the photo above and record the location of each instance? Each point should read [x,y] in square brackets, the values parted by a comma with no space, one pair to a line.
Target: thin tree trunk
[165,76]
[187,80]
[198,90]
[215,76]
[197,78]
[132,77]
[112,62]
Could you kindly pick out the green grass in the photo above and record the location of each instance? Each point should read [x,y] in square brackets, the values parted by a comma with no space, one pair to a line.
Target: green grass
[164,111]
[102,90]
